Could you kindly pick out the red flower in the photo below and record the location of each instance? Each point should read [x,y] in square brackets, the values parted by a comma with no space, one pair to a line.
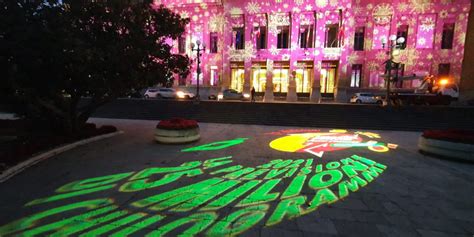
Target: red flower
[177,124]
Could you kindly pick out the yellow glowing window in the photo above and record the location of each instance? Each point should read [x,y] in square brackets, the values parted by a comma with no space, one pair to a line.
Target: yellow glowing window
[280,80]
[328,77]
[259,79]
[303,80]
[237,79]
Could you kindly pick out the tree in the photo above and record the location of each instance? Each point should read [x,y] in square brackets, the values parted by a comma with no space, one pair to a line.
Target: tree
[53,54]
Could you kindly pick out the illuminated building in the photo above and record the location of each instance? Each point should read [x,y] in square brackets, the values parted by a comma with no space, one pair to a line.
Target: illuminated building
[334,47]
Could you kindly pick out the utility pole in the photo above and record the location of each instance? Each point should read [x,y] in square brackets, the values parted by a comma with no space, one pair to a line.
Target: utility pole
[199,48]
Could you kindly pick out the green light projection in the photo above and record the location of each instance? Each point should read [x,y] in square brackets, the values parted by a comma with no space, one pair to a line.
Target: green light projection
[219,187]
[216,145]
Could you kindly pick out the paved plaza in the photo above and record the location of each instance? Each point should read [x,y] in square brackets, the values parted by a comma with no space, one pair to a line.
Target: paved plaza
[249,180]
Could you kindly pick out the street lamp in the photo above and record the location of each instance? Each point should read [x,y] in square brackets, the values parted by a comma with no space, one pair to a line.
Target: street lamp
[392,43]
[199,48]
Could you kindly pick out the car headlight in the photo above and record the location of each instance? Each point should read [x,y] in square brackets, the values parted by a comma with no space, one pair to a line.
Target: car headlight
[180,94]
[220,96]
[246,95]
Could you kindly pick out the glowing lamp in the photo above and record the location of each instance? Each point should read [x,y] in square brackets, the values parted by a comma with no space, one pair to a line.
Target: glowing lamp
[246,96]
[443,82]
[401,40]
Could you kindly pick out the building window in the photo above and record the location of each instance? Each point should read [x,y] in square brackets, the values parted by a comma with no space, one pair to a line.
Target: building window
[261,37]
[237,76]
[283,37]
[402,31]
[238,37]
[356,76]
[332,41]
[448,35]
[182,44]
[213,42]
[306,36]
[359,39]
[214,76]
[443,69]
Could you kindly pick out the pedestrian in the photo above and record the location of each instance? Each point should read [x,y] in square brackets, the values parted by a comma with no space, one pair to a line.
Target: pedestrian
[430,83]
[252,94]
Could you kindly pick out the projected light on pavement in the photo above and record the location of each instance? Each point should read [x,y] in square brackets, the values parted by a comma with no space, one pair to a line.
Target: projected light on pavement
[216,196]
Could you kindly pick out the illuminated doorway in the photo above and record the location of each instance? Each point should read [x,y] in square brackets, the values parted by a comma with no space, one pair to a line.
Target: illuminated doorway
[259,76]
[237,73]
[303,77]
[328,78]
[281,73]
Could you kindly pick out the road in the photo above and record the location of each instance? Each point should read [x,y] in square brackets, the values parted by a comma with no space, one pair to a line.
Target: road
[410,118]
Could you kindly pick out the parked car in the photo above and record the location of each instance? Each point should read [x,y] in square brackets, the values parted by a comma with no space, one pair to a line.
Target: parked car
[366,98]
[231,94]
[150,93]
[160,93]
[182,94]
[166,93]
[135,94]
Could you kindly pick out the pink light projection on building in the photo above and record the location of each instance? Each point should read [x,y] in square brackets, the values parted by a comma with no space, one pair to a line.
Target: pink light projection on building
[332,47]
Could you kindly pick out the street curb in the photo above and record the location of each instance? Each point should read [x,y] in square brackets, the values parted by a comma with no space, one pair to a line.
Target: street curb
[9,173]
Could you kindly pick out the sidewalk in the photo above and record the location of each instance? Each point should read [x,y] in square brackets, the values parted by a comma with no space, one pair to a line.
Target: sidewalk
[270,182]
[6,116]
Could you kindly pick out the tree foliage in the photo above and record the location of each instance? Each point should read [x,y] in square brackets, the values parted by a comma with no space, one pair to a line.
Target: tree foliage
[53,54]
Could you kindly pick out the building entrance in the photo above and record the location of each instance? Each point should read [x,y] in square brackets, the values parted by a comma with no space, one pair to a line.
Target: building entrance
[328,78]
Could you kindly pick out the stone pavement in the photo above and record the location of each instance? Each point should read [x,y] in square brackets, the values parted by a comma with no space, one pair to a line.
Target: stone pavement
[309,182]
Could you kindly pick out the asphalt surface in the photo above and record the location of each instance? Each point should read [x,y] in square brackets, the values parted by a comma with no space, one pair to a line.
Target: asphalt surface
[129,184]
[408,118]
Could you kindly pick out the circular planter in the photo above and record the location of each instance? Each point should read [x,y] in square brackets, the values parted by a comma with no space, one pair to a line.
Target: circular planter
[176,131]
[447,144]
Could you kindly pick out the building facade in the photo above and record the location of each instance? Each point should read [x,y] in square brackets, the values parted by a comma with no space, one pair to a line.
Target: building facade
[320,48]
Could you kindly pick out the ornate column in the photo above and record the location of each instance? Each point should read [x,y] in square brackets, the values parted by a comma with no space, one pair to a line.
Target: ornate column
[291,96]
[269,83]
[227,35]
[247,75]
[249,47]
[315,95]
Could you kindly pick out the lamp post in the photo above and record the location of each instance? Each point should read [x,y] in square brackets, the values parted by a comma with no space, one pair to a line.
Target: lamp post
[199,48]
[392,43]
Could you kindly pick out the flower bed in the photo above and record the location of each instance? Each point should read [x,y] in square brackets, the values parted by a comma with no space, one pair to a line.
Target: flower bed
[450,143]
[451,135]
[176,131]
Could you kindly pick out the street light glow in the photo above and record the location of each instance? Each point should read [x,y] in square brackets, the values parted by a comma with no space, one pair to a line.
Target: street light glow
[401,40]
[443,82]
